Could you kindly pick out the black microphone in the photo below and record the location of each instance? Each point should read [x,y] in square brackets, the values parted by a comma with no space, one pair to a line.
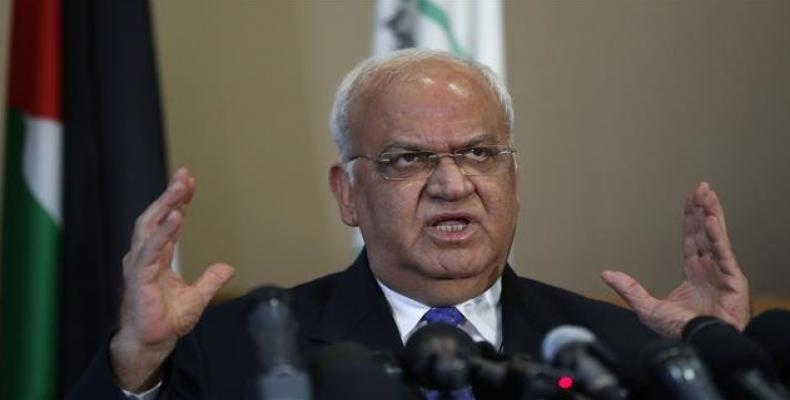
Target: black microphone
[436,357]
[679,371]
[771,330]
[741,367]
[273,328]
[575,348]
[350,371]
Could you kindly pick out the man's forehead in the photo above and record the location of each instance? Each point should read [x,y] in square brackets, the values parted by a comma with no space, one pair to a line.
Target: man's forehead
[427,74]
[428,87]
[433,105]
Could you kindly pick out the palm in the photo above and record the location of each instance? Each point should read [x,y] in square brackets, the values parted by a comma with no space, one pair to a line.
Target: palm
[714,284]
[167,308]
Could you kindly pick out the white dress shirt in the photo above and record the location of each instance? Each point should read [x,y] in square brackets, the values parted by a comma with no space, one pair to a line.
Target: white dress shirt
[483,314]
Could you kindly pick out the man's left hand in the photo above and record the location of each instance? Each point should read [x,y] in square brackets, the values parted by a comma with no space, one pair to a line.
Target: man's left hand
[714,283]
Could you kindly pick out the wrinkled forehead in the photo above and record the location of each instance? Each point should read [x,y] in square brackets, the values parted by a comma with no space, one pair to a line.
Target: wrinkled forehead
[428,91]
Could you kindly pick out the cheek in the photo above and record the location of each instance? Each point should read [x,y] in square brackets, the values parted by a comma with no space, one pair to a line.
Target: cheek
[392,207]
[501,205]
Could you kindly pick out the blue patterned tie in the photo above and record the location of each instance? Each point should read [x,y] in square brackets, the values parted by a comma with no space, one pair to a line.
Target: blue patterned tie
[449,316]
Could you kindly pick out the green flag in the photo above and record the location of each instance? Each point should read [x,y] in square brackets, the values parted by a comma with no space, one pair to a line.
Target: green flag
[466,28]
[31,204]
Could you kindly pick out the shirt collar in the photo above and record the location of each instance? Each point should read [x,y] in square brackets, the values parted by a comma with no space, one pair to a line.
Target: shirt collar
[483,313]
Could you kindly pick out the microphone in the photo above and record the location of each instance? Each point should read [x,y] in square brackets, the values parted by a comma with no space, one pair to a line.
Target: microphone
[350,371]
[443,357]
[575,348]
[771,330]
[679,371]
[436,357]
[742,369]
[273,328]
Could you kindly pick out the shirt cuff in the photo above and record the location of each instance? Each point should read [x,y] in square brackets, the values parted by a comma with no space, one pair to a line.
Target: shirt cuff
[149,394]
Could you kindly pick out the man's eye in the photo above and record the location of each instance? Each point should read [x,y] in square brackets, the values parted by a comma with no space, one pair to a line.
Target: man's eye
[478,153]
[405,160]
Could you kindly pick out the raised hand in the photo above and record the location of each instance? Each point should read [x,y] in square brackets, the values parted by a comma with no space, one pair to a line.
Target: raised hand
[714,283]
[158,307]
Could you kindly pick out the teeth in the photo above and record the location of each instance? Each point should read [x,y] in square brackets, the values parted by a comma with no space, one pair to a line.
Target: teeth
[451,226]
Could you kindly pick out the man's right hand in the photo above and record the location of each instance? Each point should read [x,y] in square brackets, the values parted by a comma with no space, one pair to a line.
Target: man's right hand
[158,307]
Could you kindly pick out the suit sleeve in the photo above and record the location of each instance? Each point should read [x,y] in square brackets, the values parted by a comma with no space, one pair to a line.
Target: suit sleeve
[98,381]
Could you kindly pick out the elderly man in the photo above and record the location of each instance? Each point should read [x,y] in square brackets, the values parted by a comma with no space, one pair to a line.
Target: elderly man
[429,175]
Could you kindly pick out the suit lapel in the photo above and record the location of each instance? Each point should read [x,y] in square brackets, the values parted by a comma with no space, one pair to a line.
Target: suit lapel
[526,317]
[358,311]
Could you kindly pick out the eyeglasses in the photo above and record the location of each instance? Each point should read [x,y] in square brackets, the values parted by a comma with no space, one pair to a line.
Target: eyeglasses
[472,161]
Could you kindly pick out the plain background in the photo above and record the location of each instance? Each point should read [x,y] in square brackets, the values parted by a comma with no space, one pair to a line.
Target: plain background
[621,108]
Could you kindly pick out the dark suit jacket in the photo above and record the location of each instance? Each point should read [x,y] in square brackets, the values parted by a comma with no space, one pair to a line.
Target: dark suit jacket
[217,360]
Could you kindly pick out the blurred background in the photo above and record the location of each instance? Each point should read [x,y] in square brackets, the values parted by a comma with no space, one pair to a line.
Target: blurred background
[621,108]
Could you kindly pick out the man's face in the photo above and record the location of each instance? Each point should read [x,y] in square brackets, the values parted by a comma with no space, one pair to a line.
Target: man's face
[447,226]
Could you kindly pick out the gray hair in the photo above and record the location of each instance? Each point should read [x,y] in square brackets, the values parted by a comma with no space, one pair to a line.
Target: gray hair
[399,61]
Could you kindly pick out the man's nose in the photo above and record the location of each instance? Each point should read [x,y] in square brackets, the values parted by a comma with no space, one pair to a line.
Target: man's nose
[448,182]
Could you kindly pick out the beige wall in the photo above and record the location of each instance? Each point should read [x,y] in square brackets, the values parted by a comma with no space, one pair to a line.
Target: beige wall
[624,106]
[621,107]
[248,86]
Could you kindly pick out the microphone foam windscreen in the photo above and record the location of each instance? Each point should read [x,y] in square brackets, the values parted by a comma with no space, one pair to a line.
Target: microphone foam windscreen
[348,370]
[771,330]
[724,348]
[562,336]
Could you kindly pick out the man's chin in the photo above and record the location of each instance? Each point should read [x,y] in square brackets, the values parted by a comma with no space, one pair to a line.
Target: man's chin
[455,265]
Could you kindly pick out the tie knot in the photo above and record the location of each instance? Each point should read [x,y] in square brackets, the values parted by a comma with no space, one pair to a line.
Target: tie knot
[444,315]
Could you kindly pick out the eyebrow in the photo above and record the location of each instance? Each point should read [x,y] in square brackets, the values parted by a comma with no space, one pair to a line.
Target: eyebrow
[486,138]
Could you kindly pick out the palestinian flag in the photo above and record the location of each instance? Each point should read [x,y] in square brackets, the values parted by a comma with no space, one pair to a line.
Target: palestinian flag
[32,218]
[85,154]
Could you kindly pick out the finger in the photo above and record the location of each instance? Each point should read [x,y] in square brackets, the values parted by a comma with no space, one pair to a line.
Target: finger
[179,189]
[190,194]
[691,214]
[707,202]
[191,186]
[163,238]
[702,190]
[689,247]
[152,272]
[631,291]
[722,248]
[712,207]
[170,199]
[213,278]
[702,243]
[715,231]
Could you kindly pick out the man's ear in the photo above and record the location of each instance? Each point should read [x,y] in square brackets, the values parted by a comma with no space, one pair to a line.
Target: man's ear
[342,188]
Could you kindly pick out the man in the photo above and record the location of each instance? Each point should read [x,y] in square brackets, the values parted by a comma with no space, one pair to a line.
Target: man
[428,173]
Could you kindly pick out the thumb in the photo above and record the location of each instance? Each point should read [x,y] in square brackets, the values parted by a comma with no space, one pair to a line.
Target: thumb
[631,291]
[213,278]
